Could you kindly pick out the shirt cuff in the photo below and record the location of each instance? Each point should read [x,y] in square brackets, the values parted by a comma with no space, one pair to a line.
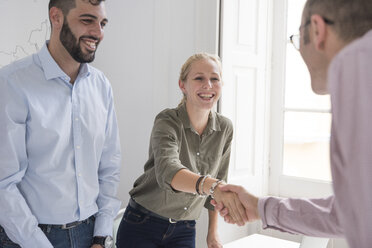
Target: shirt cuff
[37,240]
[103,225]
[267,206]
[169,175]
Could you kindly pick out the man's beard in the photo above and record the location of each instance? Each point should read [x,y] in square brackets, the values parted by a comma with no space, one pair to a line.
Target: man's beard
[72,45]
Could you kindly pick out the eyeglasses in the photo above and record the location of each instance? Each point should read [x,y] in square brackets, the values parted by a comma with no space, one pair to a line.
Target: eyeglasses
[295,38]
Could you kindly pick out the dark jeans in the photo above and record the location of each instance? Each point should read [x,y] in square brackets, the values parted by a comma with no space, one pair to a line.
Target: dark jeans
[80,236]
[139,230]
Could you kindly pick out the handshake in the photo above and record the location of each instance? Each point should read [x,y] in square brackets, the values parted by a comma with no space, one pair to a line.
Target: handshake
[235,204]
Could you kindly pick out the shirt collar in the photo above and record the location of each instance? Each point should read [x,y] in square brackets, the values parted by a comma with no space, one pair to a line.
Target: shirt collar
[213,123]
[51,68]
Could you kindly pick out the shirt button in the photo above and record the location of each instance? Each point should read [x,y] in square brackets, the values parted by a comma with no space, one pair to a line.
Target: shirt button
[185,208]
[79,174]
[197,154]
[76,119]
[77,147]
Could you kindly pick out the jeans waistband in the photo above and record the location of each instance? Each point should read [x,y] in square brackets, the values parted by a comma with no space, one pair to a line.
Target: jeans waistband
[137,206]
[68,225]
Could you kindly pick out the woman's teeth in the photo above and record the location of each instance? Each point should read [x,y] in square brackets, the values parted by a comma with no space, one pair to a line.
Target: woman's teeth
[206,96]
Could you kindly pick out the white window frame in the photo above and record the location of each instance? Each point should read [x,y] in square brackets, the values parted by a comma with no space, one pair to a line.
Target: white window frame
[280,184]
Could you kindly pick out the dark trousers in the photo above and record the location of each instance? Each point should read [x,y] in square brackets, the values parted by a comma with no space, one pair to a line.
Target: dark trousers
[80,236]
[141,230]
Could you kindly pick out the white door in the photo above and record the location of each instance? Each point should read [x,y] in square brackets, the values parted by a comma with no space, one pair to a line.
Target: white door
[244,52]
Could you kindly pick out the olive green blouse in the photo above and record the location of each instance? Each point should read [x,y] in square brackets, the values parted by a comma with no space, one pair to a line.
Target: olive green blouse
[175,145]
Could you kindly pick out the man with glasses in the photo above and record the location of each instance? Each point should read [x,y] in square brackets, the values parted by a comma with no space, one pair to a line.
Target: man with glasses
[335,42]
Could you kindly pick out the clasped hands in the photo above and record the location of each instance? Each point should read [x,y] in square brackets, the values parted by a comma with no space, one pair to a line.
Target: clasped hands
[235,204]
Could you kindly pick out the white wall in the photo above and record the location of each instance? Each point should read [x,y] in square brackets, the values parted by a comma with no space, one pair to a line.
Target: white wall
[145,45]
[125,56]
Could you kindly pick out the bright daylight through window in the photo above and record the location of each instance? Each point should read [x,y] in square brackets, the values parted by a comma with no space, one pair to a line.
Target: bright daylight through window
[307,116]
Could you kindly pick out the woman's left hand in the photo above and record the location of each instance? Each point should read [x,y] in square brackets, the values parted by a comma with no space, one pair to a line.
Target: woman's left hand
[213,241]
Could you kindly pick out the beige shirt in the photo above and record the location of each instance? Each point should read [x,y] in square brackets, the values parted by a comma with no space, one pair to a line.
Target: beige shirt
[175,145]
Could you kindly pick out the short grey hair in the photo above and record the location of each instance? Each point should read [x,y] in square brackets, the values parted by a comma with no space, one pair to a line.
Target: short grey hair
[352,18]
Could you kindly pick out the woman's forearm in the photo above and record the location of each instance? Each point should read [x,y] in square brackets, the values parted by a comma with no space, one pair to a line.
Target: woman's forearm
[186,180]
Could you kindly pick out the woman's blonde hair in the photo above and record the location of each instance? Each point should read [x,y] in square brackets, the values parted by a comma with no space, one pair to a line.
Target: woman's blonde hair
[186,67]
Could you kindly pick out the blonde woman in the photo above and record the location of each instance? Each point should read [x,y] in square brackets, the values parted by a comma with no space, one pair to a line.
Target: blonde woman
[188,162]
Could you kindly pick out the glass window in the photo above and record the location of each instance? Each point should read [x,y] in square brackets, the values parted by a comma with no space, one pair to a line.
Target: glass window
[307,116]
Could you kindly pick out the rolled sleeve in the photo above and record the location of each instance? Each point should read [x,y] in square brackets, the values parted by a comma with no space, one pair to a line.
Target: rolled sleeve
[166,152]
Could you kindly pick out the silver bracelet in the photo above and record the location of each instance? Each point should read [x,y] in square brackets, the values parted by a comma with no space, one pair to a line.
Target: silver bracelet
[213,187]
[202,185]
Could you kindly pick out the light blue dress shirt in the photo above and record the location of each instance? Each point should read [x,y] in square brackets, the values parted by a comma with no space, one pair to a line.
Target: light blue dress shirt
[59,149]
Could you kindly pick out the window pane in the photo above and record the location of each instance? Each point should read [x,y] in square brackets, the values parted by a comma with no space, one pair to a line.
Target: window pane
[306,131]
[298,92]
[295,8]
[306,145]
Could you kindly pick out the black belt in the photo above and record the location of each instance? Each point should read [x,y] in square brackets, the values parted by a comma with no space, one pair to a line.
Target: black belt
[135,205]
[68,225]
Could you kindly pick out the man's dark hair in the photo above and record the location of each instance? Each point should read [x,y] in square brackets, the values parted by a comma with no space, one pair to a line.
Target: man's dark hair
[66,5]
